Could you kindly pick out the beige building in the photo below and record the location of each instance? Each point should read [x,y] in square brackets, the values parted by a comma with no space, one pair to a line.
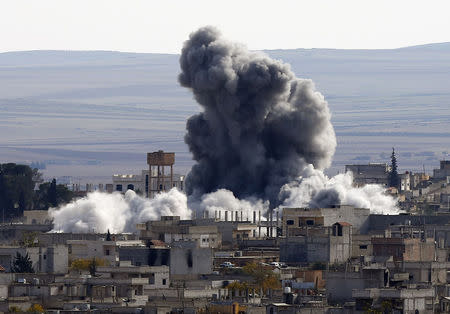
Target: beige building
[172,229]
[140,183]
[36,217]
[296,219]
[372,173]
[87,249]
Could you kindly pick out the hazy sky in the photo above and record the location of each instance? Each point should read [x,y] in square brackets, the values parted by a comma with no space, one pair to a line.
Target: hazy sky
[162,26]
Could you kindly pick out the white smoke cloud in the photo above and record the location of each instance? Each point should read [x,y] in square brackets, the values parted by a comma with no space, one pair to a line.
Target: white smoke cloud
[119,213]
[224,200]
[314,189]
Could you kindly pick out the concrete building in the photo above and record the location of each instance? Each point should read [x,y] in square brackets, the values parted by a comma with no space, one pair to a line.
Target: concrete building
[407,301]
[372,173]
[155,253]
[418,272]
[140,183]
[423,250]
[51,259]
[340,284]
[361,245]
[318,244]
[405,181]
[86,249]
[170,229]
[417,178]
[36,217]
[296,219]
[188,260]
[443,172]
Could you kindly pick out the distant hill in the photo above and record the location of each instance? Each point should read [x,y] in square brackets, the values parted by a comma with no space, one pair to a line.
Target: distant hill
[93,113]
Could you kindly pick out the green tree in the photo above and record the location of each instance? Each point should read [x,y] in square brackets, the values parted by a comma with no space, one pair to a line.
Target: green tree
[263,277]
[22,264]
[394,178]
[16,189]
[14,309]
[51,194]
[108,236]
[29,239]
[36,308]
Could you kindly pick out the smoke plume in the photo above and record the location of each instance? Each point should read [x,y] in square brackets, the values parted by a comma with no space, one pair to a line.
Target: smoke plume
[100,212]
[260,125]
[261,141]
[315,190]
[224,200]
[119,213]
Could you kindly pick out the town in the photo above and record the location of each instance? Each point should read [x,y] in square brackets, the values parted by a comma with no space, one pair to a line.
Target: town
[340,259]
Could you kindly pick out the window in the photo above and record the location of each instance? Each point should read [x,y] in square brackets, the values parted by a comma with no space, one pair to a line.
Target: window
[290,222]
[189,259]
[107,252]
[130,187]
[164,282]
[337,230]
[363,247]
[45,256]
[152,279]
[310,222]
[119,187]
[160,187]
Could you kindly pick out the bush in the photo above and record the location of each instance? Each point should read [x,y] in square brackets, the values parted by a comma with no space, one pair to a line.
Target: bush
[36,308]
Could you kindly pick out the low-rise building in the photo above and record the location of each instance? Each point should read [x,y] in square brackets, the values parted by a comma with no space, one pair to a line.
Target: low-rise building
[140,183]
[372,173]
[296,219]
[51,259]
[443,172]
[407,300]
[88,249]
[188,260]
[320,244]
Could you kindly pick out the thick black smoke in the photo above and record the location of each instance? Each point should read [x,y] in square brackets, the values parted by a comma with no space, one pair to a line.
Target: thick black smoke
[260,125]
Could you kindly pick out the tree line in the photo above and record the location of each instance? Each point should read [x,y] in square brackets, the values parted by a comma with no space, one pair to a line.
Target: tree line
[22,188]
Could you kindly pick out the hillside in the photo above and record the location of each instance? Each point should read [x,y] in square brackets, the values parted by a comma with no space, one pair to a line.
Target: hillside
[96,113]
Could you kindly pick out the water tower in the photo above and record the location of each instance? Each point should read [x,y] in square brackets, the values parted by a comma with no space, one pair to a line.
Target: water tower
[158,162]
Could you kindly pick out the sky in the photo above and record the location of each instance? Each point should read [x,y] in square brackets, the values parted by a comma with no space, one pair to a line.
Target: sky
[162,26]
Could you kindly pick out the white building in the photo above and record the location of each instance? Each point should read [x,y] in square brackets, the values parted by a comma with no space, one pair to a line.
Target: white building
[140,182]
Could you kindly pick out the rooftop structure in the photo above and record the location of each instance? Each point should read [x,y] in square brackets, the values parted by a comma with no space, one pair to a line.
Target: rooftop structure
[372,173]
[160,160]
